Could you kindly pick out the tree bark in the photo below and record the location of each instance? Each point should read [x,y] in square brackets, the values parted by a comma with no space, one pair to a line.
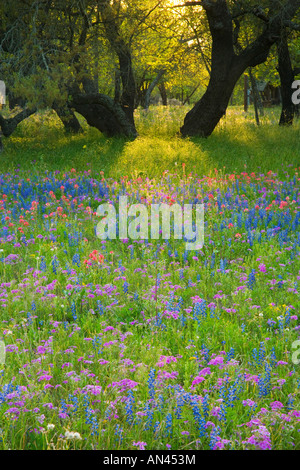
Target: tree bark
[151,88]
[9,125]
[14,101]
[287,77]
[114,118]
[246,88]
[117,97]
[68,118]
[163,93]
[205,115]
[227,66]
[256,98]
[122,50]
[102,112]
[254,95]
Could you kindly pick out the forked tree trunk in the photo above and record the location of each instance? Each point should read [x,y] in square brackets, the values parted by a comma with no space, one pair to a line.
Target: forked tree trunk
[227,66]
[105,114]
[68,118]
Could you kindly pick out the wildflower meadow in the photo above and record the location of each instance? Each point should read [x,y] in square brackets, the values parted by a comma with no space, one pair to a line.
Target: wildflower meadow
[141,344]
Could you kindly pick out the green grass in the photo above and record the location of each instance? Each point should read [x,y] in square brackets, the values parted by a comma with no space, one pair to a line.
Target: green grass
[237,145]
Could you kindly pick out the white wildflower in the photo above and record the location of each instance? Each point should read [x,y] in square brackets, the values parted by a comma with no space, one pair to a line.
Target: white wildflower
[73,435]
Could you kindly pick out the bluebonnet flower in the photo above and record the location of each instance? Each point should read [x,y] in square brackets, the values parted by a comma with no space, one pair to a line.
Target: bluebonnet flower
[264,382]
[160,402]
[100,307]
[214,437]
[223,411]
[96,341]
[251,279]
[75,402]
[125,287]
[7,389]
[203,308]
[29,318]
[280,324]
[222,266]
[151,384]
[179,405]
[73,310]
[290,403]
[212,262]
[199,419]
[43,266]
[205,352]
[63,406]
[55,264]
[156,428]
[273,359]
[169,425]
[287,317]
[280,282]
[234,390]
[129,407]
[119,433]
[76,259]
[205,406]
[149,415]
[254,355]
[230,354]
[183,320]
[90,418]
[261,353]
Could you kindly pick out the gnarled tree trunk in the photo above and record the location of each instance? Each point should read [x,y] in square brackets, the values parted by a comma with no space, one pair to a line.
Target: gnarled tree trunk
[205,115]
[113,117]
[105,114]
[68,118]
[9,125]
[227,66]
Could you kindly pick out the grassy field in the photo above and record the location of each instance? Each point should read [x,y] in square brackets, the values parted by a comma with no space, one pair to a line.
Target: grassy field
[237,145]
[141,344]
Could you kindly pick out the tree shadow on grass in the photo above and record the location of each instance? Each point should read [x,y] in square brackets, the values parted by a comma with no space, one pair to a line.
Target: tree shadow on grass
[60,151]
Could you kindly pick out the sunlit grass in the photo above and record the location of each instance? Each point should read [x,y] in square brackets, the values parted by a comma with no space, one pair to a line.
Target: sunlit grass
[236,145]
